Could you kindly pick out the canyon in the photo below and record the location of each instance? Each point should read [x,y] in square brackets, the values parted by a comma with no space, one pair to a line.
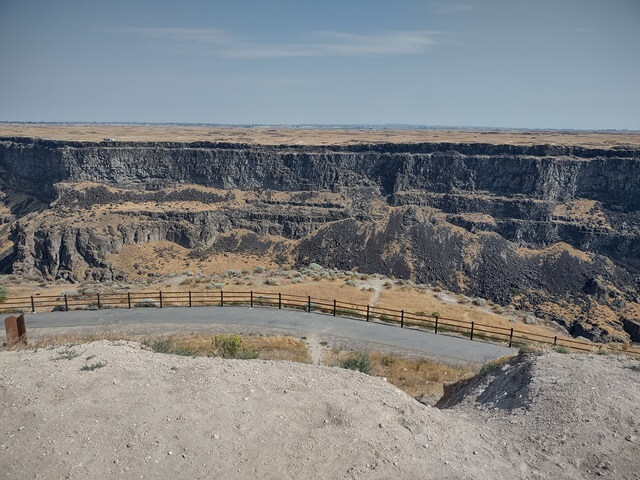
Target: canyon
[554,229]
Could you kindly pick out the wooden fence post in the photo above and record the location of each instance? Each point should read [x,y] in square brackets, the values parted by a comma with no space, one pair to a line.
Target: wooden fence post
[189,298]
[251,298]
[160,292]
[129,299]
[309,304]
[471,334]
[66,303]
[221,298]
[33,305]
[279,300]
[436,329]
[511,337]
[99,304]
[401,318]
[555,340]
[334,307]
[367,313]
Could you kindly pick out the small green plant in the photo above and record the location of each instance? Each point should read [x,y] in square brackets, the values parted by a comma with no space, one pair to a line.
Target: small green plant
[58,308]
[351,283]
[161,346]
[435,314]
[357,361]
[230,346]
[3,294]
[560,349]
[92,367]
[67,353]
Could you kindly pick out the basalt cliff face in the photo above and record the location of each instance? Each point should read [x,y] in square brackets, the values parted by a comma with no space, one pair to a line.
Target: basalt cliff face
[554,229]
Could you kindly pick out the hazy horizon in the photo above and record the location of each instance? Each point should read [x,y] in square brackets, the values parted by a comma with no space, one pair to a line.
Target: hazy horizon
[550,65]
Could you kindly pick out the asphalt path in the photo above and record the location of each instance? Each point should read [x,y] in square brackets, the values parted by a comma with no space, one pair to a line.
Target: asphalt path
[301,323]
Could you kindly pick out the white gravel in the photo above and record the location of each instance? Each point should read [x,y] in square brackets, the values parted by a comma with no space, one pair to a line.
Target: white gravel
[148,415]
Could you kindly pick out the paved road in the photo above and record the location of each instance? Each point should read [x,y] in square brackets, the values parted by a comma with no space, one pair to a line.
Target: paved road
[452,347]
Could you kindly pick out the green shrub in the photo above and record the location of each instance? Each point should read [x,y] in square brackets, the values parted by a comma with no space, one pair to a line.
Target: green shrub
[230,346]
[560,349]
[357,361]
[58,308]
[161,346]
[3,294]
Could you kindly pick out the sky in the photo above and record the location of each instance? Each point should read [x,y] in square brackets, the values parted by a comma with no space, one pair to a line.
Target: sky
[570,64]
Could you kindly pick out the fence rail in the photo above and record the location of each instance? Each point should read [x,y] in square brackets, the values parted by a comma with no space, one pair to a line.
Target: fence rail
[369,313]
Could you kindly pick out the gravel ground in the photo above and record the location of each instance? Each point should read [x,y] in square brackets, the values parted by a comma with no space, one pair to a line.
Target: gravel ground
[149,415]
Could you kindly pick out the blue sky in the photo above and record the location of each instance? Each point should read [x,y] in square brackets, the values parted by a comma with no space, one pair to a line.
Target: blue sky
[501,63]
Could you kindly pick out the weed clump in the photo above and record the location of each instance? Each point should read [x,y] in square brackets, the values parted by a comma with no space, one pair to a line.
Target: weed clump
[230,346]
[357,361]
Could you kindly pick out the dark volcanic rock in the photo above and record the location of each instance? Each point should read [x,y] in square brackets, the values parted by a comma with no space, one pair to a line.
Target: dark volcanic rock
[632,327]
[534,223]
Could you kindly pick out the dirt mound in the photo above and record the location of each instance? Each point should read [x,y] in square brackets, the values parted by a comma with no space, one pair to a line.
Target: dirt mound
[106,410]
[573,414]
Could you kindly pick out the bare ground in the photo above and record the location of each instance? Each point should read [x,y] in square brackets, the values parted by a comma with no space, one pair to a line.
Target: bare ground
[115,410]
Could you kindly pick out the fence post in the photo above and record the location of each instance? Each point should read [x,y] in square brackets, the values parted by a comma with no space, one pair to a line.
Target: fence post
[367,313]
[510,337]
[471,334]
[66,303]
[309,304]
[33,305]
[99,304]
[279,300]
[555,340]
[436,330]
[160,292]
[334,307]
[251,298]
[401,318]
[129,299]
[221,298]
[189,298]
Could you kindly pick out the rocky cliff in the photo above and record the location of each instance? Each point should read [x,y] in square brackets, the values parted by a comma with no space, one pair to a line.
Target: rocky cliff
[537,226]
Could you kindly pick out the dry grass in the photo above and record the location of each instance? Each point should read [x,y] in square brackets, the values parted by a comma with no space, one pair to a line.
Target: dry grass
[269,347]
[412,300]
[415,376]
[293,136]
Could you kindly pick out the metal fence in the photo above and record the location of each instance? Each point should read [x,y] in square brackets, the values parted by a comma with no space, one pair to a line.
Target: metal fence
[404,319]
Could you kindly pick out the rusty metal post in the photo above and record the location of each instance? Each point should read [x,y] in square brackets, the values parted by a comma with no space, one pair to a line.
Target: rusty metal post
[15,329]
[471,334]
[33,305]
[99,304]
[436,329]
[66,303]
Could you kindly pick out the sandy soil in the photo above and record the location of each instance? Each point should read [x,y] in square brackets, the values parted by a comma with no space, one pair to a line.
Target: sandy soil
[109,410]
[309,136]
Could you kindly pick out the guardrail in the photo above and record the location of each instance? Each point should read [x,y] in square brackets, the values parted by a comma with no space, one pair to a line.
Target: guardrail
[401,318]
